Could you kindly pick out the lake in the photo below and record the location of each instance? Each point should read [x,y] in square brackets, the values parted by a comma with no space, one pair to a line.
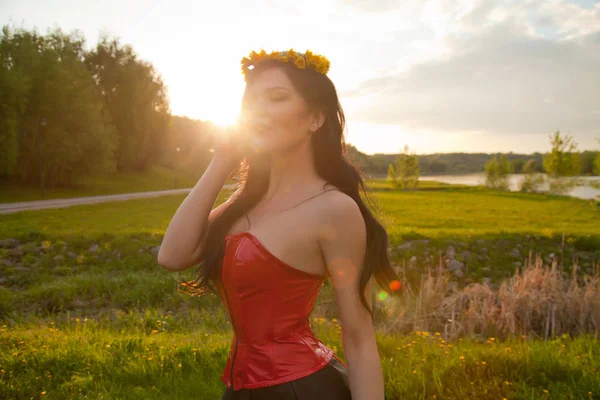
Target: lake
[582,192]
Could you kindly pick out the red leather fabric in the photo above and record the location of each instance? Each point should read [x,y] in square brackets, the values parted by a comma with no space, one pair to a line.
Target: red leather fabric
[269,303]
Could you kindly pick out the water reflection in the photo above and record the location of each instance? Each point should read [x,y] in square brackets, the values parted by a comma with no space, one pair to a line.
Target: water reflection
[582,192]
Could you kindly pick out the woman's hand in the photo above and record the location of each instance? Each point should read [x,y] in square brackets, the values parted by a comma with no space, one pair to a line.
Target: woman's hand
[232,144]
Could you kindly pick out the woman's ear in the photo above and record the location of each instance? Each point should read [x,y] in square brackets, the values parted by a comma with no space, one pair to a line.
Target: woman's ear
[318,118]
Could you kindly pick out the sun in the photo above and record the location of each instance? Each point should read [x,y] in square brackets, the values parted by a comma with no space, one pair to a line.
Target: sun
[223,117]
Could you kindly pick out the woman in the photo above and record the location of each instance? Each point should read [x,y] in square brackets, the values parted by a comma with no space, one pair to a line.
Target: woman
[297,219]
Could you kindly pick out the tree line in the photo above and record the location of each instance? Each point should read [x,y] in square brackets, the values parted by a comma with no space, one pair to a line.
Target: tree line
[67,112]
[560,169]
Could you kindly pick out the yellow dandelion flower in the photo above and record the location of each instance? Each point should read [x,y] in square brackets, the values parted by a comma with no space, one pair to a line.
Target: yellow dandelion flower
[546,391]
[483,363]
[437,334]
[300,63]
[292,54]
[43,393]
[462,358]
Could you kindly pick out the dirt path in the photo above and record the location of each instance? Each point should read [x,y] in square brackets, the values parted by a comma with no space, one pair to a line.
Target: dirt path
[8,208]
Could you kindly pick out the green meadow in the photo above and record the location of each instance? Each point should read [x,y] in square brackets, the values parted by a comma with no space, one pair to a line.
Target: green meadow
[86,311]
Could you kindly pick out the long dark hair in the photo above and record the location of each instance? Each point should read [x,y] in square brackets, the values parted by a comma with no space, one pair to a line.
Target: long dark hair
[328,145]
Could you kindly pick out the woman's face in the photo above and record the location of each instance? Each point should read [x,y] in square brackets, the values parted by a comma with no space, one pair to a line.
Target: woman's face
[275,113]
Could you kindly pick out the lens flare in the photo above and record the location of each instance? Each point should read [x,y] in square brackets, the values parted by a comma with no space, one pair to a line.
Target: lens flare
[395,285]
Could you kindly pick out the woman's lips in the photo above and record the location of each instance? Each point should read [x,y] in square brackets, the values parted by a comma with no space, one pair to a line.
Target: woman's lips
[260,128]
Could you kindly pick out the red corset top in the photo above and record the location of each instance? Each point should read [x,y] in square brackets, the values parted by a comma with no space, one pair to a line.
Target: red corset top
[269,303]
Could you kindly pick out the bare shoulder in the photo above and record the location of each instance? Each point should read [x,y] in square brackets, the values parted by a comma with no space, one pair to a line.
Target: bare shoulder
[341,210]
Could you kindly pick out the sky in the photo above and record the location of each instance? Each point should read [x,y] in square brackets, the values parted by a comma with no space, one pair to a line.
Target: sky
[438,76]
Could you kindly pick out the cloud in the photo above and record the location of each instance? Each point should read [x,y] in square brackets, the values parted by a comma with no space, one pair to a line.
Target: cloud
[502,78]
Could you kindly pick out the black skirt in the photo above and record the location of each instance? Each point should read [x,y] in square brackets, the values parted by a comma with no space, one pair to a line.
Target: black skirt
[330,382]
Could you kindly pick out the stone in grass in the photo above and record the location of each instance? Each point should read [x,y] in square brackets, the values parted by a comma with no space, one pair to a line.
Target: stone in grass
[404,246]
[455,265]
[450,252]
[93,248]
[458,273]
[6,263]
[515,253]
[486,269]
[71,254]
[466,256]
[486,281]
[58,258]
[8,243]
[16,252]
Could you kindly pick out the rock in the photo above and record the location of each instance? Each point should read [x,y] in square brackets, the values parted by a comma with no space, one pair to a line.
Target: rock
[404,246]
[71,254]
[515,253]
[466,255]
[155,250]
[486,280]
[22,269]
[450,252]
[16,252]
[551,255]
[459,273]
[93,248]
[8,243]
[455,265]
[58,258]
[483,250]
[486,269]
[6,263]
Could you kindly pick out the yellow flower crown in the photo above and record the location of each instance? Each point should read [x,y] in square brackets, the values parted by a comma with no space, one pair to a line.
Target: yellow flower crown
[307,60]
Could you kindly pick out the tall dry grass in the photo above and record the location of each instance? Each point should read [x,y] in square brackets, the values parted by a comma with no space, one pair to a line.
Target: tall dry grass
[539,300]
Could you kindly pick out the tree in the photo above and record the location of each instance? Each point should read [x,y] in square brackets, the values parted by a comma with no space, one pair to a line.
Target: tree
[63,130]
[517,165]
[136,98]
[597,162]
[14,90]
[496,173]
[392,174]
[407,170]
[532,180]
[562,164]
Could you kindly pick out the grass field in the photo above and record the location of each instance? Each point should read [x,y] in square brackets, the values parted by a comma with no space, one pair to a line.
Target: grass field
[85,310]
